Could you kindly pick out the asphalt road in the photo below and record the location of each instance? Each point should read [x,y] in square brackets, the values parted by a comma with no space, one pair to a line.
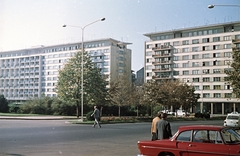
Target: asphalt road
[61,138]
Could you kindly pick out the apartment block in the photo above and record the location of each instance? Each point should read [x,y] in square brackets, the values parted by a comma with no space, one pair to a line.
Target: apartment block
[29,73]
[197,56]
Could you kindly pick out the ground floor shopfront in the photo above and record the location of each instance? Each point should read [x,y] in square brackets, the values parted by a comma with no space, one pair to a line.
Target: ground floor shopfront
[217,107]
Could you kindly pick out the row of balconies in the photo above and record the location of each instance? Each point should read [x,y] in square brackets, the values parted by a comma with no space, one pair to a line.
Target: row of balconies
[161,62]
[162,47]
[22,74]
[16,87]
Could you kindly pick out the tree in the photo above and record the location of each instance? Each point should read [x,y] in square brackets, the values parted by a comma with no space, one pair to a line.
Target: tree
[3,104]
[169,93]
[69,82]
[234,72]
[120,92]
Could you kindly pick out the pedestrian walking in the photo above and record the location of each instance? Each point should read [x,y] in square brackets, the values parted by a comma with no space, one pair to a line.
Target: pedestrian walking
[154,124]
[96,115]
[163,128]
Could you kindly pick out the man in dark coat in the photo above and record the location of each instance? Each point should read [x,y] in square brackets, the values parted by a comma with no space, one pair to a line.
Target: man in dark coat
[96,115]
[163,128]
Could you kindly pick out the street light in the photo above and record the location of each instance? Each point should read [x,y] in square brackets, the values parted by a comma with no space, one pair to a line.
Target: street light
[102,19]
[213,5]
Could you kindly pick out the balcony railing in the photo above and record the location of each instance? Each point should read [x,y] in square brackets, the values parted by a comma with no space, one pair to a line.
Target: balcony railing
[236,41]
[162,47]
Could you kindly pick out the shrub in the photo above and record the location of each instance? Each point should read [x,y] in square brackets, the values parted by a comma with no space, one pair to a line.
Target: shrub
[198,115]
[89,117]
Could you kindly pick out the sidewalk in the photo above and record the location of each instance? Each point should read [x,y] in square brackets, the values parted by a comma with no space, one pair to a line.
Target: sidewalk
[37,117]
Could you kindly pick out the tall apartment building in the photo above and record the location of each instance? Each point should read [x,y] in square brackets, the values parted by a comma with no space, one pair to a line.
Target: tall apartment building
[197,56]
[29,73]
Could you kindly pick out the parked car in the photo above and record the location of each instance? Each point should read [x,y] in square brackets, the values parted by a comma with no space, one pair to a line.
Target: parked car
[232,120]
[196,140]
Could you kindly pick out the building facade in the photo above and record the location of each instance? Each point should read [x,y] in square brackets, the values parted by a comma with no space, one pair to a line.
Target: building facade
[32,72]
[197,56]
[140,77]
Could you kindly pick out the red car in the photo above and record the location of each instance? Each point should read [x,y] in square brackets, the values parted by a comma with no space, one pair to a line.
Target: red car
[196,140]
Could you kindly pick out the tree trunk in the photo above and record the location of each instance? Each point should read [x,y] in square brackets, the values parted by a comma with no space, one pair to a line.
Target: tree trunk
[119,111]
[77,110]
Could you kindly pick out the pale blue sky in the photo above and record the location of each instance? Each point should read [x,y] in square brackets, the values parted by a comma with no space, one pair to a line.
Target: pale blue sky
[26,23]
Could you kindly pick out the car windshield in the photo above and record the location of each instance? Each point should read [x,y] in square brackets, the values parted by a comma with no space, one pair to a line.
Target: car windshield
[232,117]
[230,136]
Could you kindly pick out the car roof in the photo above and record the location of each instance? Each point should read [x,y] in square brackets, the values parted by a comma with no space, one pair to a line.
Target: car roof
[200,127]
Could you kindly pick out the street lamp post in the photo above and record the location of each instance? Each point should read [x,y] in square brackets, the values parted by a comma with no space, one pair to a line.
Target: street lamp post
[213,5]
[82,28]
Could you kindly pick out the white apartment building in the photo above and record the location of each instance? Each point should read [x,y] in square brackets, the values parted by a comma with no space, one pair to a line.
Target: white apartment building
[197,56]
[29,73]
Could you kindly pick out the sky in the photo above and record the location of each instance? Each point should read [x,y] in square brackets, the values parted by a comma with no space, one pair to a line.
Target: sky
[29,23]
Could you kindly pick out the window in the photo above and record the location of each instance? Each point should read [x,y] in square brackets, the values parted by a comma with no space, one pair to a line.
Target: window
[205,56]
[216,87]
[195,72]
[206,87]
[215,31]
[216,39]
[204,48]
[196,88]
[195,64]
[206,79]
[185,57]
[195,56]
[184,136]
[227,38]
[175,51]
[148,67]
[195,79]
[186,72]
[207,136]
[194,48]
[186,42]
[216,55]
[205,71]
[206,95]
[149,74]
[205,40]
[148,53]
[185,65]
[216,71]
[216,95]
[185,50]
[227,54]
[216,79]
[176,43]
[227,46]
[216,47]
[196,41]
[228,95]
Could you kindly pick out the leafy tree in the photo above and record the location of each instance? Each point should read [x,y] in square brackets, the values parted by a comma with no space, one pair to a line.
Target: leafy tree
[69,82]
[234,72]
[3,104]
[169,93]
[120,92]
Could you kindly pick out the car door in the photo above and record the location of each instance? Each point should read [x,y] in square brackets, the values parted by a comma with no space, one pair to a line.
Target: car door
[182,142]
[206,142]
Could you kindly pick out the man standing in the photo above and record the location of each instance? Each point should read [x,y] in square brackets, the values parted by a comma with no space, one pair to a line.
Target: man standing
[163,128]
[96,115]
[153,128]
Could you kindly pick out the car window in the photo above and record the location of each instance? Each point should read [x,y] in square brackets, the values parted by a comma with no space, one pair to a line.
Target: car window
[205,136]
[184,136]
[232,117]
[230,136]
